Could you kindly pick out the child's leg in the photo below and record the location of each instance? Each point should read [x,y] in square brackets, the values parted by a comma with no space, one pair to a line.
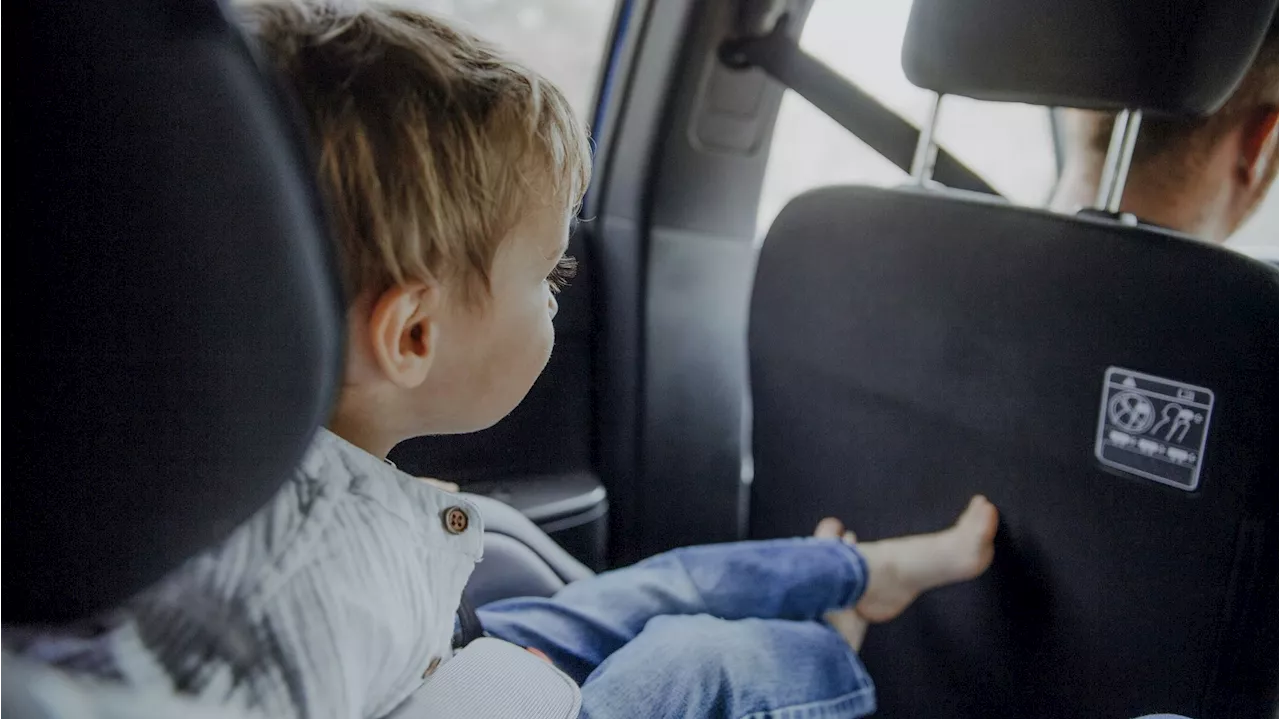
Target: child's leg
[589,620]
[707,667]
[793,579]
[902,568]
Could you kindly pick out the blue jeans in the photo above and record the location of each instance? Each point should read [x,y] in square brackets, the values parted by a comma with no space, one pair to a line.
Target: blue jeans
[724,631]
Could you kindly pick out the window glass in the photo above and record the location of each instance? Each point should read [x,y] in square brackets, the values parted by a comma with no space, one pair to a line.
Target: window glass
[565,40]
[1009,145]
[1258,237]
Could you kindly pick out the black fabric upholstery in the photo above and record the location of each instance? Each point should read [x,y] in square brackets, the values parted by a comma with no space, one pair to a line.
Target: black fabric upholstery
[910,350]
[520,560]
[1180,57]
[178,334]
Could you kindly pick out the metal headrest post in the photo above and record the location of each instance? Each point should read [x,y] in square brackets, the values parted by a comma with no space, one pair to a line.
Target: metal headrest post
[1115,169]
[922,163]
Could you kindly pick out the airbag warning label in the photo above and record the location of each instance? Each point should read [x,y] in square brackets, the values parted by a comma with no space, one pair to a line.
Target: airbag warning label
[1153,427]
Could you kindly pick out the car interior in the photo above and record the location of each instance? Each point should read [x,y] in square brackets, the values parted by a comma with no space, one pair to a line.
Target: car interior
[874,353]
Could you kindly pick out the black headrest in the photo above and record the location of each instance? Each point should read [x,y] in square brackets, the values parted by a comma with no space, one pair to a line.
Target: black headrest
[1171,57]
[177,337]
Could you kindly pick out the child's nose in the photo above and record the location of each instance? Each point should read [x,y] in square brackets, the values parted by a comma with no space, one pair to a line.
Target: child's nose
[552,306]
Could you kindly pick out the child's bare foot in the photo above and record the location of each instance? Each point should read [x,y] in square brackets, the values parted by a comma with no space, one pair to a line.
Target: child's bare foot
[899,569]
[832,528]
[849,625]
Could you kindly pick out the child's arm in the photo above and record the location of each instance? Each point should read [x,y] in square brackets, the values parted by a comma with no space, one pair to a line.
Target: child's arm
[791,579]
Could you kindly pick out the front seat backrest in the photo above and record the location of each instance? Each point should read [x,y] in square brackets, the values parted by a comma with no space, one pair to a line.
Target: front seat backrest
[909,350]
[178,335]
[1111,388]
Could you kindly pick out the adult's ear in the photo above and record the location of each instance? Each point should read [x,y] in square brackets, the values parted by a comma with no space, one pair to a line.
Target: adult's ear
[403,332]
[1258,146]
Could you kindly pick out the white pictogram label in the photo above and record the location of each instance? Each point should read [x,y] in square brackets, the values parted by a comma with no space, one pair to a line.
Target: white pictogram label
[1153,427]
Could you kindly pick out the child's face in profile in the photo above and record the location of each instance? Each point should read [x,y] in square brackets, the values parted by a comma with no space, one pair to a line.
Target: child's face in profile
[491,355]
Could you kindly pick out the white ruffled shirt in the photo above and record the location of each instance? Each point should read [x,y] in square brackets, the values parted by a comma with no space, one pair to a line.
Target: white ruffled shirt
[335,601]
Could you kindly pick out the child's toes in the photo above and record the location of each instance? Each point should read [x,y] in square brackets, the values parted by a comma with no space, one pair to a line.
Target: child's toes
[976,531]
[829,528]
[980,519]
[990,517]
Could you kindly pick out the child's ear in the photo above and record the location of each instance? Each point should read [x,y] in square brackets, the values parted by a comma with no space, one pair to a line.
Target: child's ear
[403,329]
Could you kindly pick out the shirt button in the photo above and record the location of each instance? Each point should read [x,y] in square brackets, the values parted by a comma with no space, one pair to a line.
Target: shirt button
[431,668]
[456,520]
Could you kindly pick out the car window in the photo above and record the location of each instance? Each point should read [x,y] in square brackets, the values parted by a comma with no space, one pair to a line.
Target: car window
[565,40]
[1009,145]
[1257,237]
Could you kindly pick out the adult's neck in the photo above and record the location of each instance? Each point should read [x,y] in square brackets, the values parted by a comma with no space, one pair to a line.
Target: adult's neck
[1148,195]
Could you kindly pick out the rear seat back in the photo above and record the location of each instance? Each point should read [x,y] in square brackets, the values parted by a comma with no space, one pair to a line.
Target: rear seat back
[178,337]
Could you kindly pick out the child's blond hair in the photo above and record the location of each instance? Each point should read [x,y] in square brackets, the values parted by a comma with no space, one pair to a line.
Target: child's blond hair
[431,144]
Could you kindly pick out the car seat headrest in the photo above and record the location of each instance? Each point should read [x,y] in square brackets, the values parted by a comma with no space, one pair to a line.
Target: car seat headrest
[178,337]
[1164,57]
